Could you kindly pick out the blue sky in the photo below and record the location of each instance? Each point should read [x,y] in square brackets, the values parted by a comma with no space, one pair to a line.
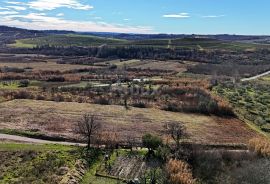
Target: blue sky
[140,16]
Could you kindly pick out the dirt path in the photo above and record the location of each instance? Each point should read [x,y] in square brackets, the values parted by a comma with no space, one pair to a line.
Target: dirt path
[256,76]
[37,141]
[169,43]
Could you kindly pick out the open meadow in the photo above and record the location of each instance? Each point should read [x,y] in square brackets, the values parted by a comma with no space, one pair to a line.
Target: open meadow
[60,119]
[44,66]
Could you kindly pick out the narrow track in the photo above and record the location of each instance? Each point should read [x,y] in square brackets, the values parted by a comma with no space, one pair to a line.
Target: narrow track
[36,141]
[256,76]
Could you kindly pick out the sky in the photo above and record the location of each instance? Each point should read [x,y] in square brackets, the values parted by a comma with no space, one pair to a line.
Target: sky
[245,17]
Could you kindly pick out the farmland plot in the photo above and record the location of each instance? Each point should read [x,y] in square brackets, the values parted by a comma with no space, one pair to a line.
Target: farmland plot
[60,119]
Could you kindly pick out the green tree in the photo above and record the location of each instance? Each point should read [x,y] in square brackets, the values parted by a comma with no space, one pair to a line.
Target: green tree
[151,142]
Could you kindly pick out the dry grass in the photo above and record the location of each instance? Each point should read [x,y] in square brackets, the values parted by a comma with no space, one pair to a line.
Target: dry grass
[179,172]
[163,65]
[261,146]
[45,116]
[44,66]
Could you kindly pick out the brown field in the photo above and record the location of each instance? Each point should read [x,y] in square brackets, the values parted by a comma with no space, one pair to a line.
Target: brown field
[44,66]
[54,118]
[170,65]
[164,65]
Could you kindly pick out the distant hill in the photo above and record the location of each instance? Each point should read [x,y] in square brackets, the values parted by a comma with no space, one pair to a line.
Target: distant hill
[224,37]
[9,34]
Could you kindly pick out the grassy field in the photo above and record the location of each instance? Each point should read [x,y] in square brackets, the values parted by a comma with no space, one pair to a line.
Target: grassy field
[265,78]
[60,119]
[84,85]
[205,44]
[66,40]
[27,163]
[44,66]
[164,65]
[50,164]
[9,85]
[120,64]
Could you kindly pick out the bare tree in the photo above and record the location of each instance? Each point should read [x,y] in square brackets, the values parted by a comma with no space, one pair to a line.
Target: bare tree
[88,126]
[176,131]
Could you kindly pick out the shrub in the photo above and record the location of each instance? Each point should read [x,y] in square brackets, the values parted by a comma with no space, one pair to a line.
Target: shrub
[253,172]
[113,67]
[179,172]
[56,79]
[24,83]
[261,146]
[151,142]
[23,95]
[102,101]
[139,105]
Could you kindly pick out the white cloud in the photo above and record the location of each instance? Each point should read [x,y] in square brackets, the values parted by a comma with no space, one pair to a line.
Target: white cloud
[18,8]
[97,18]
[213,16]
[53,4]
[178,15]
[8,12]
[15,2]
[2,8]
[39,21]
[126,19]
[60,15]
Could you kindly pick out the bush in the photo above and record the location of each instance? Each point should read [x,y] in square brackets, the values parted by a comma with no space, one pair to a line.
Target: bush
[253,172]
[151,142]
[261,146]
[139,105]
[179,172]
[102,101]
[56,79]
[24,83]
[113,67]
[23,95]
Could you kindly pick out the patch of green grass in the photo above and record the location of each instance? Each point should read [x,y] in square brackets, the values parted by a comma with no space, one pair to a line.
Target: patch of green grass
[84,85]
[66,40]
[91,178]
[25,163]
[22,44]
[101,180]
[15,84]
[9,85]
[266,78]
[34,147]
[30,134]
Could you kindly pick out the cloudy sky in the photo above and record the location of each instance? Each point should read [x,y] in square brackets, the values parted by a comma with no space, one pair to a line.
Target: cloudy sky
[140,16]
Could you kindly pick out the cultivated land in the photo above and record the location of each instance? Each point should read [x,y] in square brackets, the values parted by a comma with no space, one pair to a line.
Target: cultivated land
[58,119]
[44,66]
[178,66]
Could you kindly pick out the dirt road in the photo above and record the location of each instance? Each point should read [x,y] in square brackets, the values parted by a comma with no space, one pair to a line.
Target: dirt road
[36,141]
[256,76]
